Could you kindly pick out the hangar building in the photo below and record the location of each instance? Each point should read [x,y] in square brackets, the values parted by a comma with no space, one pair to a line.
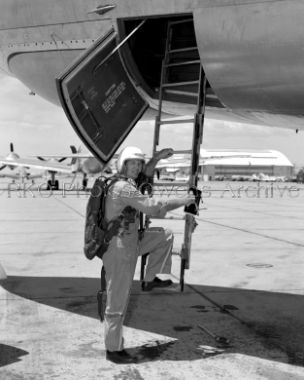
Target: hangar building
[232,163]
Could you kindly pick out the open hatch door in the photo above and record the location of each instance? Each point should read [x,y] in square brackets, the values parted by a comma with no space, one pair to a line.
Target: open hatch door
[99,98]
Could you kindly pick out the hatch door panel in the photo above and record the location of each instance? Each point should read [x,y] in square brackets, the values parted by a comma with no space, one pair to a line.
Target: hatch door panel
[99,98]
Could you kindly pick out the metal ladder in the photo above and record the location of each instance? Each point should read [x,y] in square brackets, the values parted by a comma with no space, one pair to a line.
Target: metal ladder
[171,61]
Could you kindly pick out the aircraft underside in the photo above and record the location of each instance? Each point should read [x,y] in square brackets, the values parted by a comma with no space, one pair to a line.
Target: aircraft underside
[250,51]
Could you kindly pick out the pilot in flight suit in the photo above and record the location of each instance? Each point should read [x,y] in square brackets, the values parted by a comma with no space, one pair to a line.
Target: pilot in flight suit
[120,259]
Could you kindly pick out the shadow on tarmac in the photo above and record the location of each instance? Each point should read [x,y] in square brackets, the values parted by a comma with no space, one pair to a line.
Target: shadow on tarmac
[10,354]
[262,324]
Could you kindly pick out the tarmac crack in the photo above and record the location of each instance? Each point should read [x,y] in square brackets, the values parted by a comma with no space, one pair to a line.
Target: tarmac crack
[70,207]
[252,232]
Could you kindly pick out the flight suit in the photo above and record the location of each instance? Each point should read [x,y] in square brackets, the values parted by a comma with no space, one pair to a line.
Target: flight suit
[121,257]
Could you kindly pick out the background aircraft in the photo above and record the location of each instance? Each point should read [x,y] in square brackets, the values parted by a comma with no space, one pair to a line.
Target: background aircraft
[19,173]
[51,165]
[83,163]
[50,168]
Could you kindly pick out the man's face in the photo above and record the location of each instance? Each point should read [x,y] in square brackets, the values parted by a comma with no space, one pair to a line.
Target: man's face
[133,168]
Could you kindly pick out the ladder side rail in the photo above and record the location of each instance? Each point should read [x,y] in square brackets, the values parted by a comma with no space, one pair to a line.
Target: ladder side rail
[158,116]
[163,79]
[196,137]
[193,181]
[198,128]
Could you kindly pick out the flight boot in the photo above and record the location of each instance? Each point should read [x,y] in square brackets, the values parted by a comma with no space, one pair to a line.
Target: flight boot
[120,357]
[156,283]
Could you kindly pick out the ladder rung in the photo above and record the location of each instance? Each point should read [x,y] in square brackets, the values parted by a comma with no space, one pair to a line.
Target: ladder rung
[196,61]
[179,121]
[186,93]
[170,218]
[185,151]
[178,84]
[180,21]
[211,96]
[182,50]
[172,183]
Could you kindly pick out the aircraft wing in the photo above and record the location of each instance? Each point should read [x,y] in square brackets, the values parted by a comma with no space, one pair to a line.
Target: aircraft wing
[8,175]
[37,164]
[70,155]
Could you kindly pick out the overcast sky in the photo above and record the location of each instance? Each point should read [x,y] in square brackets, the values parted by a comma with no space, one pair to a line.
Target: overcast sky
[35,127]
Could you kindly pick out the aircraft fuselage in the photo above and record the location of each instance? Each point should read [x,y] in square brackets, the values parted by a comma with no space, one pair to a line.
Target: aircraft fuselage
[251,50]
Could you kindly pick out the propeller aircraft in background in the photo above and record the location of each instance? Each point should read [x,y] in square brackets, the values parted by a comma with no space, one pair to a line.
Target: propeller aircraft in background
[51,165]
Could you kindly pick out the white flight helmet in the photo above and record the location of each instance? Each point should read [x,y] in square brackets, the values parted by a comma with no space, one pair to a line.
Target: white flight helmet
[129,153]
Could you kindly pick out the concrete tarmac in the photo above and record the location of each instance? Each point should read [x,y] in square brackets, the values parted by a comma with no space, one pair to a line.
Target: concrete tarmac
[245,283]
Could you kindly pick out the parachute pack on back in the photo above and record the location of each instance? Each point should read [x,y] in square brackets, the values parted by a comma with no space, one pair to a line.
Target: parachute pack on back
[98,232]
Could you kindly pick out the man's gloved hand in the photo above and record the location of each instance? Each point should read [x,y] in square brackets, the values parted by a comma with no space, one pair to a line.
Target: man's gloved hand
[193,207]
[163,154]
[151,165]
